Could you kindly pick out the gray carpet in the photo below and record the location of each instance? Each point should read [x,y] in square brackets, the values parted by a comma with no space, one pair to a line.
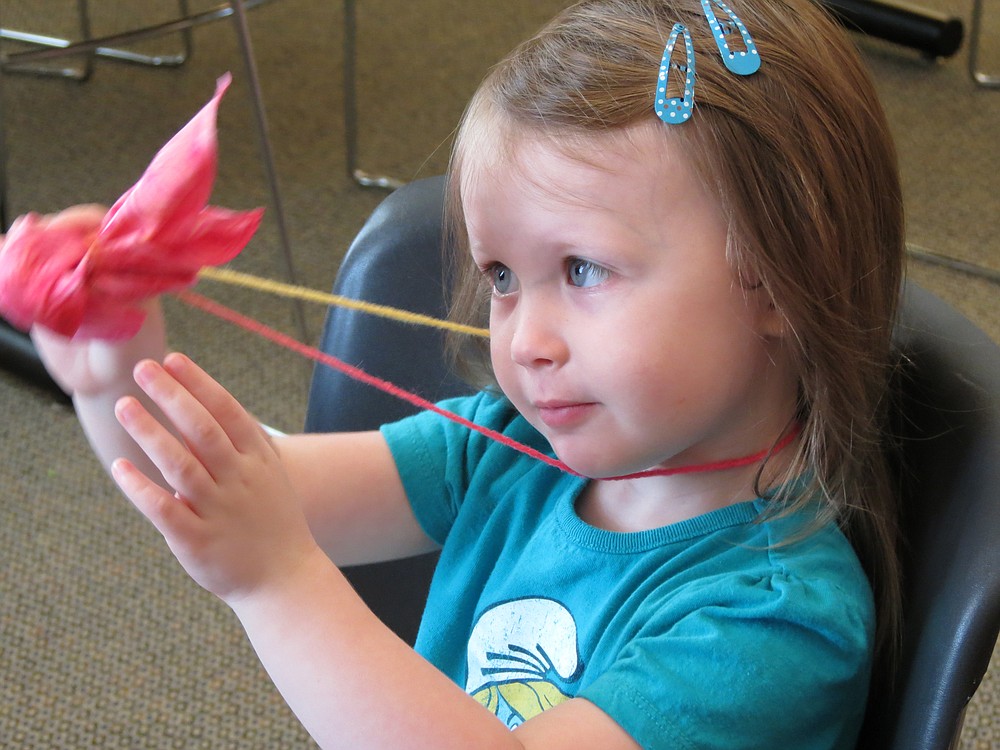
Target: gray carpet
[104,642]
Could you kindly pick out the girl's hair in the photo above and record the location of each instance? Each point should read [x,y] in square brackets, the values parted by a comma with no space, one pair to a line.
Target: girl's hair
[801,159]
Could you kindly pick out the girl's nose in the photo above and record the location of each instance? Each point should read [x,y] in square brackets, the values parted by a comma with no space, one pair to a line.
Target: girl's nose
[538,337]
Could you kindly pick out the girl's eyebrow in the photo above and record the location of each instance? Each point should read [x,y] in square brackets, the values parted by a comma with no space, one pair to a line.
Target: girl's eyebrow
[477,254]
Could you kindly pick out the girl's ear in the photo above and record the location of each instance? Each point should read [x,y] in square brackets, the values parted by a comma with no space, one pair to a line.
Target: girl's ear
[772,322]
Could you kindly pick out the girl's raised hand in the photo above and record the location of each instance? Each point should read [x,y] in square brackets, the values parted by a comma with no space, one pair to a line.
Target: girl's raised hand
[234,521]
[92,366]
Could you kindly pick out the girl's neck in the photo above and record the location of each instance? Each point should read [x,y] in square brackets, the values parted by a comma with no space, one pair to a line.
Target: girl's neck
[652,500]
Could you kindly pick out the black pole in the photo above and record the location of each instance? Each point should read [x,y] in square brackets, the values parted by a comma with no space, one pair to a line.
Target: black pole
[17,353]
[933,34]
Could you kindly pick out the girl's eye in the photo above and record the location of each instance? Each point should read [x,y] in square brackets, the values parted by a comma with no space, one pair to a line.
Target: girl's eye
[503,279]
[583,273]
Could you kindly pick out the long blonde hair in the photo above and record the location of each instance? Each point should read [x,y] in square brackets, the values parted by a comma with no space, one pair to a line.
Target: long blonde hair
[802,161]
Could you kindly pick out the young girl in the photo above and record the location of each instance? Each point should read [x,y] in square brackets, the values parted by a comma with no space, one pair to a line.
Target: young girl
[679,267]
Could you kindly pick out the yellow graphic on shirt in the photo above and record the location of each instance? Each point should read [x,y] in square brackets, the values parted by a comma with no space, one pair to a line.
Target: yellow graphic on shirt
[517,652]
[523,699]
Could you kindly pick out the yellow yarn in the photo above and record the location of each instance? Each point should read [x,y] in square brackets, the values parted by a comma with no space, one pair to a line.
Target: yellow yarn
[248,281]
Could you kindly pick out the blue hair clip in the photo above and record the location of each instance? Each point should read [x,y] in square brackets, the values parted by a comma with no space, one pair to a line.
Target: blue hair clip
[744,62]
[676,109]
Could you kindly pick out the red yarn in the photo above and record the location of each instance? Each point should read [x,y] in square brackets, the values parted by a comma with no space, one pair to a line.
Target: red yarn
[255,326]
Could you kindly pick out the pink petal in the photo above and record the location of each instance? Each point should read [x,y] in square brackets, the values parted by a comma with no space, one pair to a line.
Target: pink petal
[132,287]
[178,181]
[80,281]
[110,320]
[37,265]
[64,306]
[218,235]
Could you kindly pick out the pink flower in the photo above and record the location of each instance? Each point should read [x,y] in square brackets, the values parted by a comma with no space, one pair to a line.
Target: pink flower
[82,278]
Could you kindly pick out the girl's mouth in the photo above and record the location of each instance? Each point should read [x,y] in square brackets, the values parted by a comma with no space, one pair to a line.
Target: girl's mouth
[563,414]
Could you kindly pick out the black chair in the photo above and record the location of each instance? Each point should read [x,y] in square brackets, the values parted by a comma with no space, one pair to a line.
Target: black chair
[949,426]
[395,260]
[949,417]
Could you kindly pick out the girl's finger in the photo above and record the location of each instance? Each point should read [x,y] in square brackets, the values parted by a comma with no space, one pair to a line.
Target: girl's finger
[170,515]
[181,469]
[242,430]
[201,432]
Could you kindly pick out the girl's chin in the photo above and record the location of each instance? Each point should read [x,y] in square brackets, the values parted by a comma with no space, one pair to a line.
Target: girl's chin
[597,467]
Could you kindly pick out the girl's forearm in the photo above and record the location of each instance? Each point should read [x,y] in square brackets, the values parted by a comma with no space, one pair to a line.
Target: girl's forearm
[107,438]
[97,374]
[349,679]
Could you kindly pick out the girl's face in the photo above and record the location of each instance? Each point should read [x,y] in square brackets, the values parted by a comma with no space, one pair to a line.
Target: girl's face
[618,328]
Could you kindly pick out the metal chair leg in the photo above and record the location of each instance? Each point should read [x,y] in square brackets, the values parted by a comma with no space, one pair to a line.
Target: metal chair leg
[3,161]
[83,72]
[361,177]
[985,80]
[15,60]
[24,61]
[955,264]
[236,9]
[267,156]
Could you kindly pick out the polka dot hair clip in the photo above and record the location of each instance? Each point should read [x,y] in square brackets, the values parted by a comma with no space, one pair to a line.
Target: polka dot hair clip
[676,109]
[742,62]
[746,61]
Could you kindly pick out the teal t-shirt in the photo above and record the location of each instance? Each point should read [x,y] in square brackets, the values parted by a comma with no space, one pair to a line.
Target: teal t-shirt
[716,632]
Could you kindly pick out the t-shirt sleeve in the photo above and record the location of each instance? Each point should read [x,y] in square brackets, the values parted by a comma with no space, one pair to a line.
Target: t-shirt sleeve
[771,662]
[437,457]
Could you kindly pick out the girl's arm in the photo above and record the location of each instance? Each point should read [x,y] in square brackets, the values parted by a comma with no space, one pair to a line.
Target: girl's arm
[236,525]
[369,499]
[352,496]
[345,482]
[98,373]
[354,684]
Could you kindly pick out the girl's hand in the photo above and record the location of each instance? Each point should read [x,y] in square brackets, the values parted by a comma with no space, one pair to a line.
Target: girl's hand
[94,366]
[234,521]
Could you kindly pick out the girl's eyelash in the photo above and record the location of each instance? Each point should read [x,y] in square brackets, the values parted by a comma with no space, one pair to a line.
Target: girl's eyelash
[496,275]
[488,275]
[486,268]
[578,269]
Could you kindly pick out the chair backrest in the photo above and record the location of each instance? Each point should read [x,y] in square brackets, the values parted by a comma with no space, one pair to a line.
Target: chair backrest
[949,426]
[949,419]
[395,260]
